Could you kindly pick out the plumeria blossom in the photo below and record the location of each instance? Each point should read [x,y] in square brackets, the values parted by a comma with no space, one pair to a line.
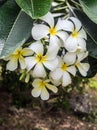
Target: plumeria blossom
[40,60]
[40,88]
[63,71]
[58,54]
[55,32]
[82,67]
[76,58]
[71,57]
[77,38]
[18,56]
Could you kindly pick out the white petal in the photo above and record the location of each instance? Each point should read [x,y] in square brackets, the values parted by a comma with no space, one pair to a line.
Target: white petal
[66,79]
[12,64]
[70,58]
[48,18]
[51,64]
[71,44]
[81,44]
[62,35]
[76,22]
[60,62]
[83,68]
[52,88]
[22,62]
[37,47]
[55,82]
[44,94]
[59,25]
[36,91]
[39,31]
[56,74]
[30,62]
[39,71]
[27,52]
[55,41]
[82,34]
[67,25]
[36,83]
[52,52]
[72,70]
[82,55]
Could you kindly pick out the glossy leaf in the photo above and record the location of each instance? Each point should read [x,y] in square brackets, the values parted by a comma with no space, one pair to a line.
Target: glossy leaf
[92,48]
[2,2]
[90,8]
[35,8]
[19,33]
[93,67]
[8,13]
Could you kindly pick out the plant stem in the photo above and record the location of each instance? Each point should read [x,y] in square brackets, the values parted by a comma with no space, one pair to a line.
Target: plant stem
[75,3]
[70,8]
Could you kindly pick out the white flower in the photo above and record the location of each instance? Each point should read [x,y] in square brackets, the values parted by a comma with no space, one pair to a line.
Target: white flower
[71,57]
[40,31]
[18,56]
[76,58]
[40,88]
[82,67]
[41,60]
[62,72]
[77,37]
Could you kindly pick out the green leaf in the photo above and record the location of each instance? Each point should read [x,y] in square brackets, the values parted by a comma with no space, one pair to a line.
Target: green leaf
[35,8]
[92,48]
[93,67]
[2,2]
[8,13]
[19,33]
[90,8]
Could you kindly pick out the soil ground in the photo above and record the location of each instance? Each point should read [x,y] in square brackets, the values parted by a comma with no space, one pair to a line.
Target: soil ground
[30,118]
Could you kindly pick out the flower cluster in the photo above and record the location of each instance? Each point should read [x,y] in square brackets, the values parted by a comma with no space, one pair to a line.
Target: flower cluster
[57,54]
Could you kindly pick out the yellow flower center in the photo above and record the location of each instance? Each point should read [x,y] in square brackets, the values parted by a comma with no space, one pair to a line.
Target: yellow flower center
[42,83]
[64,67]
[52,31]
[77,65]
[18,53]
[40,58]
[74,34]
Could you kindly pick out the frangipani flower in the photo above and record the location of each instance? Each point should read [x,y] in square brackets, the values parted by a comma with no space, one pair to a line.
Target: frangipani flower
[62,72]
[40,88]
[40,31]
[76,58]
[82,67]
[77,37]
[18,56]
[71,57]
[39,60]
